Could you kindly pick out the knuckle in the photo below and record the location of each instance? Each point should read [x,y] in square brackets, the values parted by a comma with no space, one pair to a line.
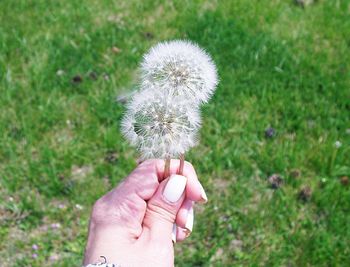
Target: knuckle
[102,209]
[145,162]
[160,212]
[149,162]
[189,165]
[96,209]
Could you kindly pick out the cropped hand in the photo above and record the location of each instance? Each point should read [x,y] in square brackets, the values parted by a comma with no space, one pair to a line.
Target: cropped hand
[137,222]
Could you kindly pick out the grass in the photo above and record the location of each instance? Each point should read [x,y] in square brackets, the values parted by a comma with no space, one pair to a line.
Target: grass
[281,65]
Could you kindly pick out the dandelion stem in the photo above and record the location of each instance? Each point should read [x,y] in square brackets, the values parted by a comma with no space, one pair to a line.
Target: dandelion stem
[182,163]
[167,168]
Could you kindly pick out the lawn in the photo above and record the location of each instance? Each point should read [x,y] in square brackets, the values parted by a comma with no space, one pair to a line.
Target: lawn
[274,154]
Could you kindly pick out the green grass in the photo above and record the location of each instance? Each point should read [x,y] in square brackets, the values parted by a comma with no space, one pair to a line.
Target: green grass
[280,66]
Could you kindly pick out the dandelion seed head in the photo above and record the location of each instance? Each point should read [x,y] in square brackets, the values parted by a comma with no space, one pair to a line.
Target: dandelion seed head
[160,126]
[181,67]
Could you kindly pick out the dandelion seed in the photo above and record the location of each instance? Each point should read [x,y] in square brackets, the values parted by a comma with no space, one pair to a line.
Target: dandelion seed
[78,206]
[59,72]
[160,126]
[182,68]
[337,144]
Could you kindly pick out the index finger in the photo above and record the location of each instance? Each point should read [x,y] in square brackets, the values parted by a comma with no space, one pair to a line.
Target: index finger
[194,189]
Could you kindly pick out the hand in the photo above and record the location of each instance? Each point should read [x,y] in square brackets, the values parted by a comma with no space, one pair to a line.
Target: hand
[133,225]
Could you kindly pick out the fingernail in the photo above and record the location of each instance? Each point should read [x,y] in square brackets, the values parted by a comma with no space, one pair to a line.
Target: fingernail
[173,233]
[187,232]
[189,221]
[174,188]
[204,198]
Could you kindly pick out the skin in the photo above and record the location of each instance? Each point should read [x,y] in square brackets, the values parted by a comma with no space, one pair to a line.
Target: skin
[132,224]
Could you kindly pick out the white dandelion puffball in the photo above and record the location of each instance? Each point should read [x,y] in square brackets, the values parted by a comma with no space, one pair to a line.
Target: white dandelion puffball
[160,125]
[181,67]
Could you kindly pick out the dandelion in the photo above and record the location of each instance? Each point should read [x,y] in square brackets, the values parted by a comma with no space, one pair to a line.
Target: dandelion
[78,206]
[182,68]
[163,118]
[160,125]
[337,144]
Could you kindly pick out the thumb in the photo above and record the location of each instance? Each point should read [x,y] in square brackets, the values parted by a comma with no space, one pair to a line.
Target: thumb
[163,207]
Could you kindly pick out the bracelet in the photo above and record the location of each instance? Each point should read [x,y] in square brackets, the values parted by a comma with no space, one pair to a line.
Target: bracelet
[103,264]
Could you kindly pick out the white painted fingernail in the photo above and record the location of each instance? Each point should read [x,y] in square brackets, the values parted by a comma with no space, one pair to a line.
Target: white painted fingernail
[189,221]
[175,187]
[203,196]
[173,233]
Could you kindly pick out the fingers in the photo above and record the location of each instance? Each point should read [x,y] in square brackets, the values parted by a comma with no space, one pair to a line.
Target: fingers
[194,189]
[126,204]
[184,218]
[145,179]
[163,207]
[160,216]
[142,181]
[181,234]
[188,170]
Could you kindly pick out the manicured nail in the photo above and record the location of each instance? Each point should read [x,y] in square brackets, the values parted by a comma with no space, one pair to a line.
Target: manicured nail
[204,198]
[175,188]
[173,233]
[189,222]
[187,232]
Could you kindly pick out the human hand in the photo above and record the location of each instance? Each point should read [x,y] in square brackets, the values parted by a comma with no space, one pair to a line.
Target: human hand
[133,225]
